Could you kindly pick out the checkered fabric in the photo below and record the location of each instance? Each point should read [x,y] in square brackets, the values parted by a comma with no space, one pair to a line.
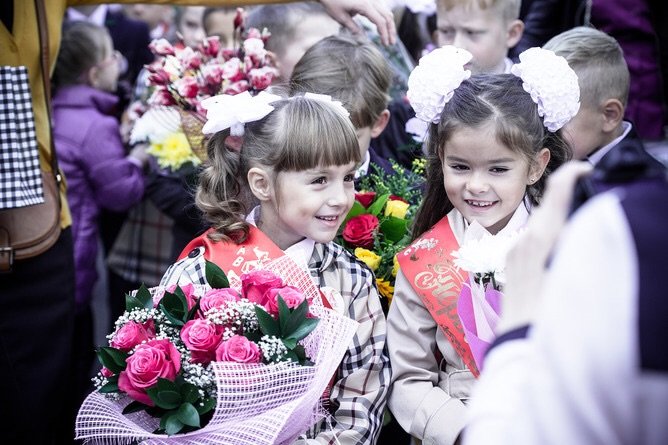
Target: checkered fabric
[20,175]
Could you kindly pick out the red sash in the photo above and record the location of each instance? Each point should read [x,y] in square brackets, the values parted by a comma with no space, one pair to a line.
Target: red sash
[237,259]
[429,267]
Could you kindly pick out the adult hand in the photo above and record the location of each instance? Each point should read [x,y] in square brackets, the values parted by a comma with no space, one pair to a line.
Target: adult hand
[343,11]
[526,262]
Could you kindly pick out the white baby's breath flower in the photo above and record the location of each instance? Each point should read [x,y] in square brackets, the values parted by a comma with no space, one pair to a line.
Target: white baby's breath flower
[433,82]
[553,85]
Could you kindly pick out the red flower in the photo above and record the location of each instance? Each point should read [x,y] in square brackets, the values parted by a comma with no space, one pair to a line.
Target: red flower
[397,198]
[359,230]
[365,198]
[261,78]
[239,19]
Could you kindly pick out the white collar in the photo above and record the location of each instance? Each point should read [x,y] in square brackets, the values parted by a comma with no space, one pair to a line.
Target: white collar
[300,252]
[97,17]
[458,223]
[595,157]
[507,65]
[364,168]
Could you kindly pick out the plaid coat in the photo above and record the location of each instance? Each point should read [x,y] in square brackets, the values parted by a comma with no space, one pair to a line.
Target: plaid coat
[357,399]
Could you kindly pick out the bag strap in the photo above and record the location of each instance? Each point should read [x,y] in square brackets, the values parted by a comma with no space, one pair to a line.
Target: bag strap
[46,79]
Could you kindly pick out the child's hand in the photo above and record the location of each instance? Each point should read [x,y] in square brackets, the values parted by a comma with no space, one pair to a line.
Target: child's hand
[343,11]
[526,262]
[138,153]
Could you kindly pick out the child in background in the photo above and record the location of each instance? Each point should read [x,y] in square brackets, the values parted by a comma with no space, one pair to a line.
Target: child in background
[297,159]
[489,154]
[220,22]
[90,151]
[599,62]
[485,28]
[356,74]
[189,21]
[294,28]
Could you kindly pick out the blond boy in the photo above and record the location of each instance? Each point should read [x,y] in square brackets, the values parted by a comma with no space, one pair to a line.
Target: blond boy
[485,28]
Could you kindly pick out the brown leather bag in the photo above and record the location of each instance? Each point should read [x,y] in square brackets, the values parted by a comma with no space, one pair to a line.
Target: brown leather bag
[28,231]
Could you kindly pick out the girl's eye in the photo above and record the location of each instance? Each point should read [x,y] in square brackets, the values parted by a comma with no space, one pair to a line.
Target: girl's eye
[349,177]
[499,169]
[320,180]
[459,167]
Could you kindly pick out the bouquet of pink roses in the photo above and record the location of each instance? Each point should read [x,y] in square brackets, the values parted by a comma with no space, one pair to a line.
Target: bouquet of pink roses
[245,362]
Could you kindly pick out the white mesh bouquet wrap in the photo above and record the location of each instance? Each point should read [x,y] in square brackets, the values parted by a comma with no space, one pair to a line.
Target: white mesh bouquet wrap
[432,83]
[256,403]
[553,86]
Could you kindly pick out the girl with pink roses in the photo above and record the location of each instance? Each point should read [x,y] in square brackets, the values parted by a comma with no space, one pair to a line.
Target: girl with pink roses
[296,160]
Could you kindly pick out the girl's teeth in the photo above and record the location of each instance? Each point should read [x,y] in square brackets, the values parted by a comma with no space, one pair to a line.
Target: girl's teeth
[328,218]
[480,204]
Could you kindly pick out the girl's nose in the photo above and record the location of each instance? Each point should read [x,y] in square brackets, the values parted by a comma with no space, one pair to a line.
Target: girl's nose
[477,183]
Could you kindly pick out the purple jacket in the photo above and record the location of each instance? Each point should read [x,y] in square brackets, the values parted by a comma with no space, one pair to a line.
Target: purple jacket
[98,174]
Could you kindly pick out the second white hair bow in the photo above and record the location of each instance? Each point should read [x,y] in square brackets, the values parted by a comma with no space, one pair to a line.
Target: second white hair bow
[226,111]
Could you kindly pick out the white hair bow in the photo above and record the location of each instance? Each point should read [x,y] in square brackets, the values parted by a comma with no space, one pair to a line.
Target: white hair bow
[226,111]
[327,98]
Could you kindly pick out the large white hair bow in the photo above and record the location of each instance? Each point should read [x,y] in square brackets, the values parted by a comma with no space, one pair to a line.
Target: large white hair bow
[328,99]
[553,85]
[226,111]
[432,83]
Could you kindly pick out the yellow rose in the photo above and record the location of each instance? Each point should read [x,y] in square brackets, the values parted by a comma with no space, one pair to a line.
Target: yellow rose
[395,266]
[396,208]
[385,288]
[368,257]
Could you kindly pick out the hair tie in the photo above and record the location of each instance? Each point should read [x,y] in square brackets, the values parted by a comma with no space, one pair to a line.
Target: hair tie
[552,84]
[233,111]
[433,82]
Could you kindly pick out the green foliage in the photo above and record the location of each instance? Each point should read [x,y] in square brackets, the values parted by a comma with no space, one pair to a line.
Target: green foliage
[215,276]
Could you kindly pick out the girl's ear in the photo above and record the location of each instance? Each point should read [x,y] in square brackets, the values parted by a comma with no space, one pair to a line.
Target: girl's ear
[260,184]
[539,165]
[92,76]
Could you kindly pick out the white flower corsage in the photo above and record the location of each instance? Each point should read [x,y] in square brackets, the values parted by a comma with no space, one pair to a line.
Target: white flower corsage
[553,86]
[233,111]
[432,83]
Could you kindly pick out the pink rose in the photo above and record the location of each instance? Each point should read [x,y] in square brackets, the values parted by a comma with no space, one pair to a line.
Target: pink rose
[232,70]
[132,333]
[213,74]
[228,53]
[188,291]
[255,284]
[161,47]
[359,230]
[189,59]
[218,298]
[254,47]
[236,88]
[291,295]
[238,349]
[158,77]
[261,78]
[161,96]
[253,33]
[150,361]
[187,87]
[202,338]
[106,372]
[211,46]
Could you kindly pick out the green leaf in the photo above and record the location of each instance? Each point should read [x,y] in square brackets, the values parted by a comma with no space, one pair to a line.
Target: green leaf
[378,205]
[189,393]
[289,343]
[305,328]
[110,386]
[134,407]
[188,415]
[355,210]
[254,336]
[166,385]
[113,359]
[143,295]
[165,399]
[283,314]
[175,307]
[393,228]
[132,303]
[268,325]
[207,405]
[172,425]
[297,317]
[291,356]
[215,276]
[300,352]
